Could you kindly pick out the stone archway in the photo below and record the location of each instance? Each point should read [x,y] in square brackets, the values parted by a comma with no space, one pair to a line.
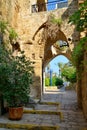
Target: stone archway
[36,49]
[50,37]
[51,50]
[54,71]
[49,54]
[40,50]
[46,36]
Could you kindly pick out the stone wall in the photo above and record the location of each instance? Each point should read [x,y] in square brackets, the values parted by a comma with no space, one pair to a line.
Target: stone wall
[18,14]
[82,82]
[84,87]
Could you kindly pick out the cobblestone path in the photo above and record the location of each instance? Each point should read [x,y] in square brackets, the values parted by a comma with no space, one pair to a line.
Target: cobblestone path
[73,117]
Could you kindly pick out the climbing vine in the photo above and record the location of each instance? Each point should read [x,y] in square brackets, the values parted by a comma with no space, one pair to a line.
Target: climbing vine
[11,35]
[3,28]
[78,52]
[79,18]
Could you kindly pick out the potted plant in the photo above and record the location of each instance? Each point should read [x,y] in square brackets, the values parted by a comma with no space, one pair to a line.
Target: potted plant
[15,79]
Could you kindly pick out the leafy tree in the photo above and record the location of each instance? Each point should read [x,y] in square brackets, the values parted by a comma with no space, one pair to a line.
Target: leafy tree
[47,81]
[68,71]
[61,66]
[53,81]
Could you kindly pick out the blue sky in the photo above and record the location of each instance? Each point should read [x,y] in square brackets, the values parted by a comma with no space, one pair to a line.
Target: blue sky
[55,61]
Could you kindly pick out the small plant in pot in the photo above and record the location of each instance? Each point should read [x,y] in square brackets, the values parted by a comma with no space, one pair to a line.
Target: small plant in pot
[15,78]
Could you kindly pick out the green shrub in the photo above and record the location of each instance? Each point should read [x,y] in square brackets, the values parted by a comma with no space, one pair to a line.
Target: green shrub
[16,75]
[53,81]
[59,81]
[47,81]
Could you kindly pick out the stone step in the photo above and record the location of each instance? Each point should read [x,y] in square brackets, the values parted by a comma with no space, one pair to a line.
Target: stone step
[16,126]
[50,106]
[40,122]
[50,103]
[45,112]
[44,106]
[33,127]
[35,119]
[45,116]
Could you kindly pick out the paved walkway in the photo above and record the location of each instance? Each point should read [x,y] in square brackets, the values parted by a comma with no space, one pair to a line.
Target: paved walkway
[73,117]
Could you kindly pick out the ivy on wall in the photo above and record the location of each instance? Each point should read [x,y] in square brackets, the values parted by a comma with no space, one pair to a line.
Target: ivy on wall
[79,19]
[78,52]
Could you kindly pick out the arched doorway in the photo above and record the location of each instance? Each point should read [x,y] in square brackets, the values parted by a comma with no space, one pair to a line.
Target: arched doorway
[53,48]
[58,72]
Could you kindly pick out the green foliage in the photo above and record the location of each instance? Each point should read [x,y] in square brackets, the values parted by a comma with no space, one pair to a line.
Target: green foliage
[69,73]
[47,81]
[59,81]
[79,18]
[15,77]
[3,26]
[12,34]
[78,52]
[55,81]
[73,77]
[55,20]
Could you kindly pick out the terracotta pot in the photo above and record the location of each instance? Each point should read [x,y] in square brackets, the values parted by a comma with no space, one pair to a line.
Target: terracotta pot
[15,113]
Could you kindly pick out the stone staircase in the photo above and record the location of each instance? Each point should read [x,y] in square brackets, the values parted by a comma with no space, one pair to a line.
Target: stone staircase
[49,114]
[45,116]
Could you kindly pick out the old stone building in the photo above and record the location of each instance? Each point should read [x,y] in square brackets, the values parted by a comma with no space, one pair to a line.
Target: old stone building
[37,37]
